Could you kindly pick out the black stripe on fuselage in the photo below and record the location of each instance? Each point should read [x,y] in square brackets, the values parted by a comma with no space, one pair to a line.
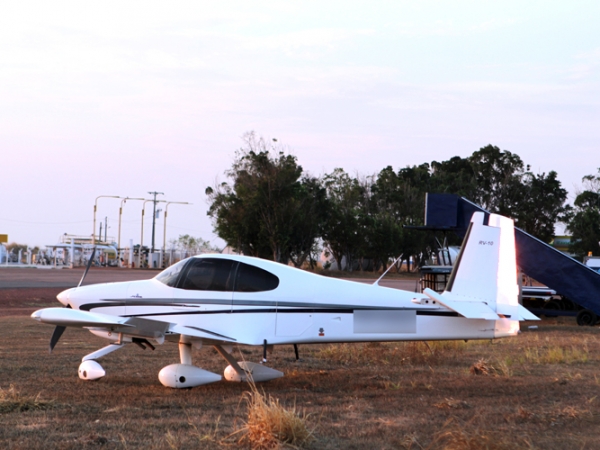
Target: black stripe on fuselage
[276,307]
[189,303]
[287,311]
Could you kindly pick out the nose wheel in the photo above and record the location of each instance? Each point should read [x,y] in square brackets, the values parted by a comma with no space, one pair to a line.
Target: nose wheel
[90,370]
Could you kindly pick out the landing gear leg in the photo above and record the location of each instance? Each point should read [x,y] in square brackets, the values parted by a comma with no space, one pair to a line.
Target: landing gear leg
[185,351]
[296,352]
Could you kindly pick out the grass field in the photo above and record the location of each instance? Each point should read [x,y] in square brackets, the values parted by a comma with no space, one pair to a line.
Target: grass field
[538,390]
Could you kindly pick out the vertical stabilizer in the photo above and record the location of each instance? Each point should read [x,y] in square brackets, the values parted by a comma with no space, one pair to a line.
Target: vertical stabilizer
[486,269]
[483,283]
[475,274]
[507,291]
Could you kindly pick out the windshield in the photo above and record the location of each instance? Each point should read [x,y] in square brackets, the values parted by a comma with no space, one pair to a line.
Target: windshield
[217,274]
[208,274]
[170,275]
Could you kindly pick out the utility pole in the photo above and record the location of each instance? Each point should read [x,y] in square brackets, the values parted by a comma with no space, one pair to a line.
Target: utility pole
[154,201]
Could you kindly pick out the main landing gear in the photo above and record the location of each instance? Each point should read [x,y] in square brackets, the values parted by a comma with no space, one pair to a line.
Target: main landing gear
[185,374]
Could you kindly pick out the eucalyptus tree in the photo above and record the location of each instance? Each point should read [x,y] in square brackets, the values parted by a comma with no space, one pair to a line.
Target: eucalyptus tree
[497,179]
[192,245]
[343,224]
[584,223]
[541,205]
[271,210]
[500,182]
[400,197]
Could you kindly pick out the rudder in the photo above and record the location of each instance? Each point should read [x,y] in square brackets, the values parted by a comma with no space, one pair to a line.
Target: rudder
[483,283]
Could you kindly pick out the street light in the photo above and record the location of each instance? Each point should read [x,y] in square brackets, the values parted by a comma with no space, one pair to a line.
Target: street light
[96,207]
[120,214]
[154,215]
[142,233]
[165,224]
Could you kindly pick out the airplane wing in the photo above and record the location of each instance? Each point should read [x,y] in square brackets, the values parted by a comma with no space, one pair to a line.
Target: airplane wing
[67,317]
[135,326]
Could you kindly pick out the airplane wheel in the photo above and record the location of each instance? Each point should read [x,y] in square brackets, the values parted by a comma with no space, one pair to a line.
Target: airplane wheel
[588,318]
[90,370]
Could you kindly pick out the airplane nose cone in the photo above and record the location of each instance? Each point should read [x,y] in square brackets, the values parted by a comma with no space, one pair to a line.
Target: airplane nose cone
[63,297]
[37,315]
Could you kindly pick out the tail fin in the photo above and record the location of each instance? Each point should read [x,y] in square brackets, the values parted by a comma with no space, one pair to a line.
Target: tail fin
[483,284]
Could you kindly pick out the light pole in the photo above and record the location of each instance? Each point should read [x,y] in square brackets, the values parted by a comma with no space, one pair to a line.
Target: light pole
[119,238]
[165,224]
[95,208]
[142,232]
[154,216]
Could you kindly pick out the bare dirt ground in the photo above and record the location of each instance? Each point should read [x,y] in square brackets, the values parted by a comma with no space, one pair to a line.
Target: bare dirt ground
[538,390]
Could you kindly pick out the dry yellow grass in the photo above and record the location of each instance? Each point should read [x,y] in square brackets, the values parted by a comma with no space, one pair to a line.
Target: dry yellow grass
[456,435]
[270,424]
[12,400]
[376,353]
[388,395]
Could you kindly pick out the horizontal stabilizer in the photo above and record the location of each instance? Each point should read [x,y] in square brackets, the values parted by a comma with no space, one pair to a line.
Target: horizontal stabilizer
[68,317]
[524,314]
[468,309]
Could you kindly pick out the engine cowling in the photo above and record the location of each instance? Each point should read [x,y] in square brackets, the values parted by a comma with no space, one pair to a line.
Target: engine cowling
[186,376]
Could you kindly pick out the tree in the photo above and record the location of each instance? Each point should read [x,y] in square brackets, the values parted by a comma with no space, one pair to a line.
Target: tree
[542,204]
[584,224]
[455,176]
[13,247]
[312,214]
[193,245]
[271,211]
[401,195]
[497,180]
[341,229]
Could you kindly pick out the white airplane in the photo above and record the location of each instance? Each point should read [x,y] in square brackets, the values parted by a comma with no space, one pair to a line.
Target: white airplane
[227,300]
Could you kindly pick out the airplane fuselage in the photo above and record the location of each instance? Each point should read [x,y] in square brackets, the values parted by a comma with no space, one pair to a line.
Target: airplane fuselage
[304,308]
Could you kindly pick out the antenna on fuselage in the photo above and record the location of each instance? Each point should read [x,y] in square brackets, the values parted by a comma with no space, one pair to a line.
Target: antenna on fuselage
[387,270]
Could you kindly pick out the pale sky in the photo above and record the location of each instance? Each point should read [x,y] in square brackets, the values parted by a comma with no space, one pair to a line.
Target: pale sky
[121,98]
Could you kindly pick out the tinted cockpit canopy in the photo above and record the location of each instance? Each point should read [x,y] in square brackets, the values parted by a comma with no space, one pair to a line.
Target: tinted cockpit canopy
[217,274]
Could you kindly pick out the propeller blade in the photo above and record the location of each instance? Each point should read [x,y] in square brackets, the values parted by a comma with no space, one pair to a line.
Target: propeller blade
[58,331]
[89,264]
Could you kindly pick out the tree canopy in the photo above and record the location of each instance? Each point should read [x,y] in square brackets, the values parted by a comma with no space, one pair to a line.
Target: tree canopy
[584,223]
[272,209]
